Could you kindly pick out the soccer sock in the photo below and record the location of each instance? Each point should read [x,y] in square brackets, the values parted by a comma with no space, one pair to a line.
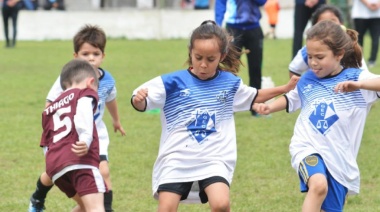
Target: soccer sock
[108,201]
[41,191]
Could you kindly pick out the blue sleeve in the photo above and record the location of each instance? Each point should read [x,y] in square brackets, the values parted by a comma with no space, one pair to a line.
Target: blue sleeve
[220,10]
[260,2]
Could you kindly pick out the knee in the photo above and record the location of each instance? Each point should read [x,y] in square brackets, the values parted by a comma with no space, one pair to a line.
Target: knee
[220,206]
[318,185]
[104,169]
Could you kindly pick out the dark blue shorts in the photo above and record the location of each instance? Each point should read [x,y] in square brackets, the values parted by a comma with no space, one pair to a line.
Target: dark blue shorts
[183,189]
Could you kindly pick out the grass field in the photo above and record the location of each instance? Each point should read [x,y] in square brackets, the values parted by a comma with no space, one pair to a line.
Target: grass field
[263,180]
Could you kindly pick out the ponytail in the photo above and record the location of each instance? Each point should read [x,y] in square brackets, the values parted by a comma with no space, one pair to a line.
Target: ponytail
[353,53]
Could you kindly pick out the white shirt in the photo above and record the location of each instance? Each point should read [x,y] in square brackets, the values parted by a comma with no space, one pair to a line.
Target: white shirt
[198,138]
[359,10]
[331,124]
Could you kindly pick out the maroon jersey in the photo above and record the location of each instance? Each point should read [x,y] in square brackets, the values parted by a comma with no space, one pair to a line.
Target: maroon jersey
[59,132]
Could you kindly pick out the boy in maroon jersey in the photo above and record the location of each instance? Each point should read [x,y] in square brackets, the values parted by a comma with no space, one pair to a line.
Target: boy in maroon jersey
[70,138]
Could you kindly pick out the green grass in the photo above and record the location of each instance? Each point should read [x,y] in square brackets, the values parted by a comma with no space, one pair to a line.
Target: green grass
[263,181]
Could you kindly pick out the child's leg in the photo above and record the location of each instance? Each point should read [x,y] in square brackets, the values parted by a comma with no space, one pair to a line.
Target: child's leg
[93,202]
[170,194]
[103,166]
[79,207]
[105,172]
[44,184]
[317,193]
[216,191]
[218,197]
[168,201]
[313,180]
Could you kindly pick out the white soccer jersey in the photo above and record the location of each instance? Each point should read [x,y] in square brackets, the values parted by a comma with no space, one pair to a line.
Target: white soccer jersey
[198,138]
[300,64]
[106,93]
[331,124]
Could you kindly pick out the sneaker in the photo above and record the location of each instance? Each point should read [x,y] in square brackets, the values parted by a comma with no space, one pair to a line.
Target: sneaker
[36,205]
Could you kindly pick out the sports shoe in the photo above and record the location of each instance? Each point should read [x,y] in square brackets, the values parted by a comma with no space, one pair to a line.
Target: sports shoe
[36,205]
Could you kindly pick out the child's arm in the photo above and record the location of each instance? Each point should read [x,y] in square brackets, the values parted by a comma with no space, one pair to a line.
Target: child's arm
[84,123]
[54,92]
[269,93]
[112,109]
[265,109]
[139,99]
[367,84]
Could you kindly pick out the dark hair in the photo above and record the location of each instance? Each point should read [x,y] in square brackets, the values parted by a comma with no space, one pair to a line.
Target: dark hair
[93,35]
[327,7]
[209,30]
[76,71]
[338,40]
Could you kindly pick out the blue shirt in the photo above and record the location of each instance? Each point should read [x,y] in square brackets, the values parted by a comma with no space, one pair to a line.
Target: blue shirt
[242,14]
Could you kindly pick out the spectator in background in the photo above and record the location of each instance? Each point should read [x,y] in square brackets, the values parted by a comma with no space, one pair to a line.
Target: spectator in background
[302,13]
[202,4]
[10,9]
[29,4]
[366,15]
[54,4]
[272,7]
[243,23]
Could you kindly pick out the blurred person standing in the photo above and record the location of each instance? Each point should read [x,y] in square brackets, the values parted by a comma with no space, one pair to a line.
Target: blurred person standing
[272,7]
[54,4]
[366,15]
[10,9]
[303,11]
[243,23]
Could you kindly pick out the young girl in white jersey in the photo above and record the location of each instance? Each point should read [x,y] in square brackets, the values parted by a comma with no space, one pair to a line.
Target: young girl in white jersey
[198,140]
[325,142]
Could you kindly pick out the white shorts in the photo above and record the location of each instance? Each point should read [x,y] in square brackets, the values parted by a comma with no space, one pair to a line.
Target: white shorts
[104,140]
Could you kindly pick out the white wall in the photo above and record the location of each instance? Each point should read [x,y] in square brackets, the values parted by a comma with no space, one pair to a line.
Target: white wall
[127,23]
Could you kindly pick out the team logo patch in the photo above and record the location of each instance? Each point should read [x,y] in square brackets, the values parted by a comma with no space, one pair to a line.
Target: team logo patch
[311,160]
[323,116]
[202,125]
[222,96]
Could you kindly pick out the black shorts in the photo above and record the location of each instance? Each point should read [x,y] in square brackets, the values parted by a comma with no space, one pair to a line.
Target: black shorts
[184,188]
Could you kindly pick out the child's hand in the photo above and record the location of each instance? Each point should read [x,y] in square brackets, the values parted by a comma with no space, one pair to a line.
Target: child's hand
[292,83]
[139,100]
[347,86]
[79,148]
[261,108]
[117,127]
[140,96]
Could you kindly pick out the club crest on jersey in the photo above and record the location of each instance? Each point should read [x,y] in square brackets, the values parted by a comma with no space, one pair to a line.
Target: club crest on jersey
[323,115]
[202,124]
[222,96]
